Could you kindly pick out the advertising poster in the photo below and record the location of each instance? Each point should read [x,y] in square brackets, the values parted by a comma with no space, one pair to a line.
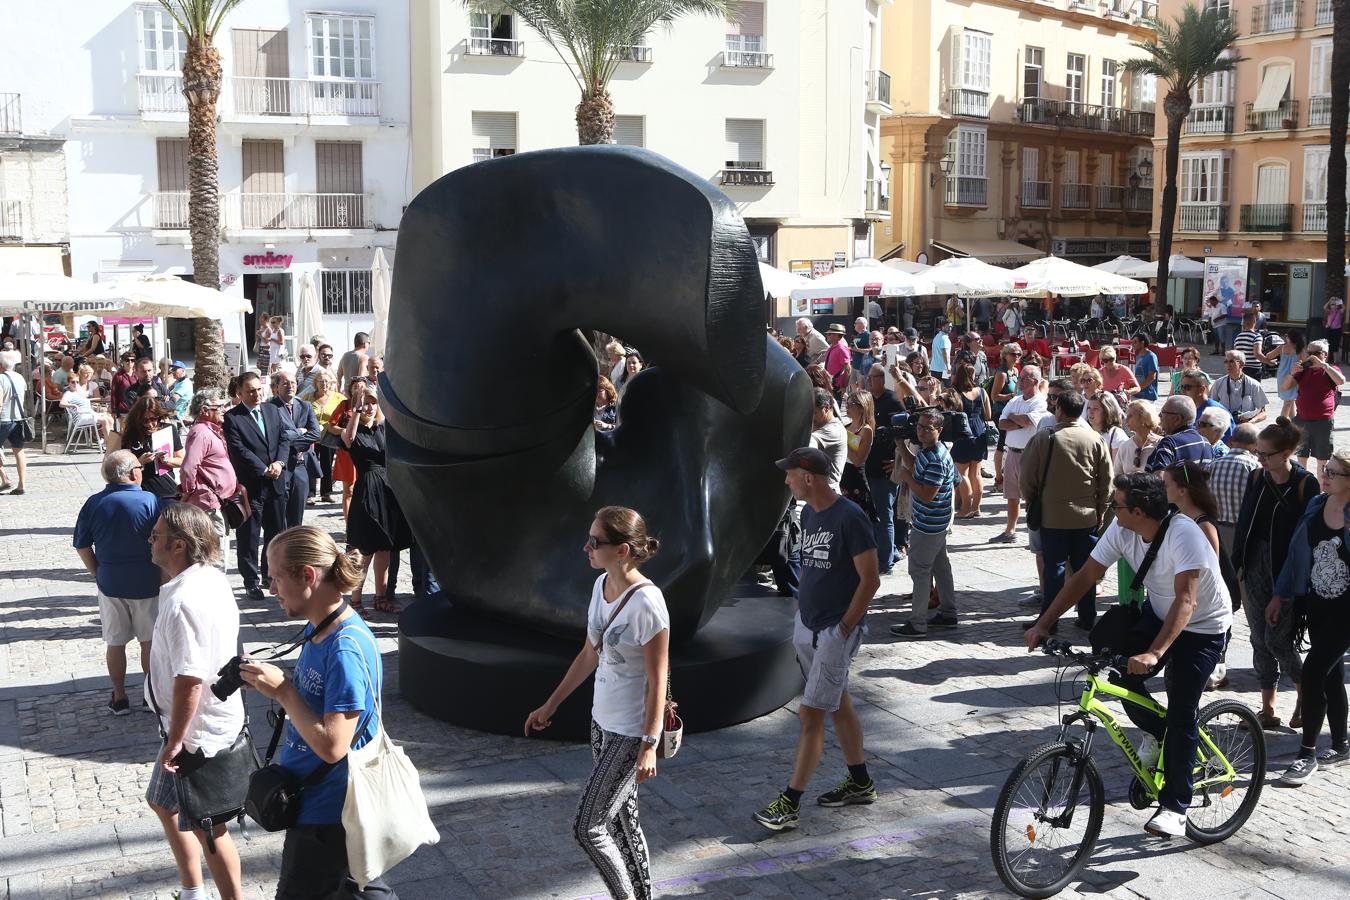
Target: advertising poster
[802,267]
[1226,278]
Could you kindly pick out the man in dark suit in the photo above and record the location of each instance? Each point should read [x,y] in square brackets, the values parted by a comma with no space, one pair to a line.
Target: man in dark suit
[304,433]
[258,437]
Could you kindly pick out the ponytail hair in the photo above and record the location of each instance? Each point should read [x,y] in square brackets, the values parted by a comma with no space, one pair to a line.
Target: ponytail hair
[626,526]
[305,545]
[1282,435]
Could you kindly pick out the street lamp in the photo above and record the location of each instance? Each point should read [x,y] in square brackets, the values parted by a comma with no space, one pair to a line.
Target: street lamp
[944,165]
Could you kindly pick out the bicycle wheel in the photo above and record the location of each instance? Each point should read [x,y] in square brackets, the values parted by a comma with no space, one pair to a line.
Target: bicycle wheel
[1036,851]
[1219,810]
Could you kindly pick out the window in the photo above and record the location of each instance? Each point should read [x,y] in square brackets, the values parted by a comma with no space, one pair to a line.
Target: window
[1106,168]
[745,144]
[1203,178]
[1272,183]
[342,47]
[972,51]
[1319,69]
[494,134]
[1223,7]
[492,33]
[967,147]
[1215,90]
[1073,78]
[1145,92]
[345,292]
[630,131]
[1031,163]
[171,203]
[1315,161]
[1033,73]
[162,42]
[745,26]
[1108,83]
[1071,170]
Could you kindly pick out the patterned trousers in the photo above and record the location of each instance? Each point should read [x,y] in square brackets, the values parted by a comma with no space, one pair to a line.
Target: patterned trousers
[606,825]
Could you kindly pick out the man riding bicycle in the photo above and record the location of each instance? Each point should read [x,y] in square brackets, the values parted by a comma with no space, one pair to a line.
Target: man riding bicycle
[1184,625]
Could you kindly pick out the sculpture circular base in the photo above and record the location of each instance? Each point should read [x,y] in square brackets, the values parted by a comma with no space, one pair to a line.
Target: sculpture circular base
[468,670]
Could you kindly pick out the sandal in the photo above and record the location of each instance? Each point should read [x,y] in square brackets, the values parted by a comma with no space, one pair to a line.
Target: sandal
[387,604]
[355,603]
[1269,721]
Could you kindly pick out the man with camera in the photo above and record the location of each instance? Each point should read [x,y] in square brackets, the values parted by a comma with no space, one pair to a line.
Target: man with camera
[931,477]
[196,633]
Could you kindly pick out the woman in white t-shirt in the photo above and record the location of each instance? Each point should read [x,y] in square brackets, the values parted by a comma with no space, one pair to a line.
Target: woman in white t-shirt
[627,646]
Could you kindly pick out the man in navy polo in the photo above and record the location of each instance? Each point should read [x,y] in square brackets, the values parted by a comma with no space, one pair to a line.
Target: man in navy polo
[112,536]
[1181,442]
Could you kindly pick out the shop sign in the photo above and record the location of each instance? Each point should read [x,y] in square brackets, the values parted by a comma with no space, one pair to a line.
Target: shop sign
[269,260]
[227,278]
[840,259]
[821,267]
[1300,273]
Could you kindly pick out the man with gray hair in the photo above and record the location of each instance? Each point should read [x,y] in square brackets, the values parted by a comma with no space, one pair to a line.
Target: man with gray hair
[1228,480]
[112,537]
[1240,394]
[816,345]
[304,434]
[1181,442]
[12,391]
[1020,418]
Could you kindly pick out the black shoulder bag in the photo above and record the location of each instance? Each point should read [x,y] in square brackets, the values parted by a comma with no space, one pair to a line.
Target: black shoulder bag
[1034,504]
[1113,629]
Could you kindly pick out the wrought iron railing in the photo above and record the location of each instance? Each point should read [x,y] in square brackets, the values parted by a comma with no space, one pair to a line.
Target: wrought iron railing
[1267,216]
[1110,196]
[1204,217]
[1319,111]
[878,87]
[746,174]
[638,53]
[1070,114]
[11,220]
[1139,200]
[247,96]
[481,45]
[11,118]
[1073,195]
[964,102]
[1283,117]
[1035,195]
[963,190]
[1276,16]
[1209,120]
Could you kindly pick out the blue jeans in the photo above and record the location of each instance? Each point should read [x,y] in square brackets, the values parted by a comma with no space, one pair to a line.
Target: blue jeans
[883,530]
[424,582]
[1072,546]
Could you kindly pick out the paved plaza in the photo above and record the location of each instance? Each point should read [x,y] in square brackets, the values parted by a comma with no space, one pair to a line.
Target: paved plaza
[945,718]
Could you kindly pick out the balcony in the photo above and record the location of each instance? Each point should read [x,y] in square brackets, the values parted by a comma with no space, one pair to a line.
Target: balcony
[1075,196]
[171,209]
[744,52]
[1209,120]
[637,53]
[1319,111]
[1276,16]
[1284,118]
[1277,217]
[11,220]
[1145,9]
[964,191]
[962,102]
[746,174]
[1323,13]
[1204,217]
[11,122]
[1035,195]
[1110,196]
[270,211]
[1139,200]
[483,45]
[162,93]
[876,203]
[1071,114]
[1315,217]
[878,92]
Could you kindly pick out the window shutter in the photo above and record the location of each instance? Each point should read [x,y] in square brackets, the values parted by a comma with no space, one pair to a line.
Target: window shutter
[1031,163]
[745,143]
[747,18]
[1272,184]
[1274,84]
[494,131]
[1071,167]
[338,168]
[173,167]
[1105,169]
[630,131]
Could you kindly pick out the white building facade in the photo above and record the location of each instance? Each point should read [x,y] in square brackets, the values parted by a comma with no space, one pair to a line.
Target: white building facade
[779,106]
[313,145]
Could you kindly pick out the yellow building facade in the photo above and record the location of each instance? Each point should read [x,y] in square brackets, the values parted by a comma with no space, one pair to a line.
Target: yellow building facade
[1016,132]
[1253,166]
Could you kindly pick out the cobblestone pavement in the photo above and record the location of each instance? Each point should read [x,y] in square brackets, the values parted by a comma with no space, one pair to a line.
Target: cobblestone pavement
[946,719]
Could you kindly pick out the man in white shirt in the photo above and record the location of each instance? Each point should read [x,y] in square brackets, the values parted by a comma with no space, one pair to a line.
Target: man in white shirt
[1183,625]
[12,390]
[1020,418]
[816,345]
[1240,394]
[828,435]
[196,634]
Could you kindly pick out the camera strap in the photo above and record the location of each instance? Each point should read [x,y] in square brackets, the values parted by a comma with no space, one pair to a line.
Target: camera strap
[277,651]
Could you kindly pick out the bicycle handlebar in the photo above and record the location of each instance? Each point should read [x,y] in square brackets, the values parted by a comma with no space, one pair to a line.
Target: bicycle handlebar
[1093,662]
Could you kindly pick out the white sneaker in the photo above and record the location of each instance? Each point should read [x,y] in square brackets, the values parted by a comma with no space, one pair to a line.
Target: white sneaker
[1149,752]
[1220,671]
[1166,823]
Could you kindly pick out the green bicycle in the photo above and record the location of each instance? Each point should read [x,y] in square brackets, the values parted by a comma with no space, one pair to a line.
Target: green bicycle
[1049,813]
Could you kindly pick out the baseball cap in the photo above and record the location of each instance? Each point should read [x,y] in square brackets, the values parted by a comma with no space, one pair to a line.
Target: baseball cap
[808,459]
[178,364]
[912,333]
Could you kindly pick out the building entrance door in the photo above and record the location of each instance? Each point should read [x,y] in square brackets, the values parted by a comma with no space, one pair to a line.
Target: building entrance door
[271,296]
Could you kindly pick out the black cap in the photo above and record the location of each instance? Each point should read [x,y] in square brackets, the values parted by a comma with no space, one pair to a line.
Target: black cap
[912,333]
[808,459]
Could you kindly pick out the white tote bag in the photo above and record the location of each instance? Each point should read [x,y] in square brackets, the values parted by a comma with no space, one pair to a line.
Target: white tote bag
[385,814]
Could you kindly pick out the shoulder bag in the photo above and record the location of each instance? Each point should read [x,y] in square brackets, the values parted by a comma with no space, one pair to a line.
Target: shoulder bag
[21,422]
[672,726]
[211,789]
[1112,631]
[237,509]
[1034,505]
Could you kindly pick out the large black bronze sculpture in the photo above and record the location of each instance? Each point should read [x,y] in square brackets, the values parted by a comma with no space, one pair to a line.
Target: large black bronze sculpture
[489,397]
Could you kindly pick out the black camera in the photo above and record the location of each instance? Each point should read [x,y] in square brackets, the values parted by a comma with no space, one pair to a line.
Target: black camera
[904,426]
[229,679]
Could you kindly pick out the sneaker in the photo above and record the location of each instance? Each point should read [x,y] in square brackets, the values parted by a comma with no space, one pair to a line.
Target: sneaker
[1033,600]
[941,621]
[1150,752]
[1333,757]
[1003,538]
[1166,823]
[1217,678]
[1300,771]
[119,707]
[849,793]
[780,815]
[907,631]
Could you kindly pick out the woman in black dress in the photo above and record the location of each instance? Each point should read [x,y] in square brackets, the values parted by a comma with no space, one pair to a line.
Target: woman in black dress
[375,524]
[970,453]
[147,417]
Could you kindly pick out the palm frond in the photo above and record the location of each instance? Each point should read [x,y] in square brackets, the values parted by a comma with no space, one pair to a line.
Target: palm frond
[1193,46]
[199,19]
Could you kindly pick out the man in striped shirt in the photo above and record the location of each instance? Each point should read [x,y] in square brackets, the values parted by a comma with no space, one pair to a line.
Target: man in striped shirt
[1248,342]
[1182,442]
[931,477]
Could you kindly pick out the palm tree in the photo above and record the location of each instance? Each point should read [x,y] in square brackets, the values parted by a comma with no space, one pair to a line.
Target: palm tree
[200,20]
[1340,107]
[1184,53]
[590,36]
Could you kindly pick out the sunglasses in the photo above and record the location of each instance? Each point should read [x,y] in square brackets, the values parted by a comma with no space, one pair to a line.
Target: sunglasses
[594,543]
[1332,474]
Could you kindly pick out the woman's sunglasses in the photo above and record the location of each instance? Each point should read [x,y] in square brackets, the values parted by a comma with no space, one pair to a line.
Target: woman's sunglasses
[594,543]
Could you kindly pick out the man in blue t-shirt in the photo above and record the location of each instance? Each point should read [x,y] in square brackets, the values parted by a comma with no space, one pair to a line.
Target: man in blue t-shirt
[931,477]
[1180,442]
[942,351]
[839,579]
[112,537]
[1145,368]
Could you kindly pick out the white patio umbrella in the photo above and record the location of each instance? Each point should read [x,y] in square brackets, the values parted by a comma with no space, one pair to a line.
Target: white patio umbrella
[865,281]
[168,296]
[381,283]
[967,276]
[778,283]
[1178,266]
[1129,266]
[909,268]
[309,317]
[1056,275]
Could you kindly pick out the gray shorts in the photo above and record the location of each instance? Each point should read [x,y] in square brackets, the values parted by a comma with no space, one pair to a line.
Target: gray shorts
[1316,438]
[163,790]
[825,658]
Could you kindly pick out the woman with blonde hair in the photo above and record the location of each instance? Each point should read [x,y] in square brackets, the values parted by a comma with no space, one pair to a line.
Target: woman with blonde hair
[860,407]
[325,401]
[1116,378]
[627,646]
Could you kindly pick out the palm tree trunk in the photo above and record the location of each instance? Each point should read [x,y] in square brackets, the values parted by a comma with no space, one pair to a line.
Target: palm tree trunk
[1176,109]
[1340,112]
[595,117]
[202,79]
